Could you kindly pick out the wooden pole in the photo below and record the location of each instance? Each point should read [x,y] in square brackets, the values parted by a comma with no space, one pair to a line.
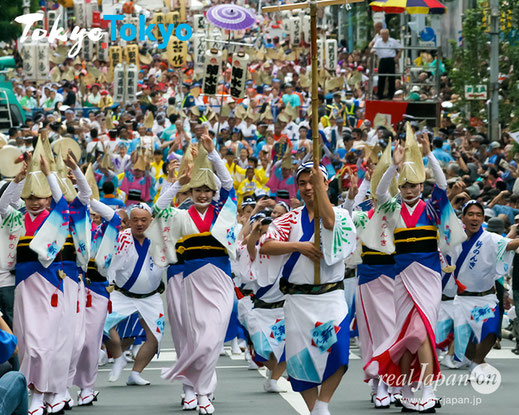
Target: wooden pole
[315,133]
[315,100]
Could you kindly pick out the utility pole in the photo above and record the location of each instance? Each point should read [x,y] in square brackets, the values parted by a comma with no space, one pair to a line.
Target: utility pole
[494,70]
[26,5]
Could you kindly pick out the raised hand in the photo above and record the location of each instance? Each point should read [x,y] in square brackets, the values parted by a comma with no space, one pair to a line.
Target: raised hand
[369,170]
[186,177]
[172,167]
[22,174]
[256,229]
[354,186]
[398,154]
[70,162]
[44,165]
[426,144]
[194,152]
[207,141]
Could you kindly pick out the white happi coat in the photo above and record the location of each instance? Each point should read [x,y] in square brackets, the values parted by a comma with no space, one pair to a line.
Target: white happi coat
[336,245]
[151,308]
[306,361]
[124,262]
[487,261]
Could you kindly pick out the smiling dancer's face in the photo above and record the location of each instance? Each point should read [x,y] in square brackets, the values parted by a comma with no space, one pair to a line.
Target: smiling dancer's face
[36,205]
[202,196]
[473,219]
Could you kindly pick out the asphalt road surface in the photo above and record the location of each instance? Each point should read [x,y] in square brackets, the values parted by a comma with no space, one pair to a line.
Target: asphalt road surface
[240,391]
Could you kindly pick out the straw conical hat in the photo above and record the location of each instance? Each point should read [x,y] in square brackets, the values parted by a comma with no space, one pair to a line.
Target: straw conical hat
[226,110]
[240,112]
[8,156]
[286,163]
[106,160]
[187,160]
[195,91]
[413,170]
[109,120]
[91,179]
[140,164]
[93,70]
[36,183]
[58,57]
[290,57]
[105,79]
[145,59]
[256,77]
[89,79]
[148,121]
[271,53]
[251,114]
[381,167]
[382,120]
[355,78]
[55,76]
[267,114]
[65,184]
[64,145]
[69,75]
[292,111]
[203,171]
[334,83]
[373,152]
[210,114]
[47,151]
[171,110]
[284,117]
[305,81]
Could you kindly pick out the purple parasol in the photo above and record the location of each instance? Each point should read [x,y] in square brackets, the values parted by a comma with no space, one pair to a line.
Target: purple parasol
[231,17]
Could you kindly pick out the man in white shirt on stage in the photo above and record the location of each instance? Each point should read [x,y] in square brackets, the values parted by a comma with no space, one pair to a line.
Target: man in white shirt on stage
[388,51]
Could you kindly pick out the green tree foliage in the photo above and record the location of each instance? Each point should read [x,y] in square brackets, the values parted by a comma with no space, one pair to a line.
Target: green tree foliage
[10,9]
[470,64]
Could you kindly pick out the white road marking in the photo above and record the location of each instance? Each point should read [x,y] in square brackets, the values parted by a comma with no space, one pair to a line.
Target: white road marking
[240,356]
[294,399]
[165,356]
[504,353]
[128,369]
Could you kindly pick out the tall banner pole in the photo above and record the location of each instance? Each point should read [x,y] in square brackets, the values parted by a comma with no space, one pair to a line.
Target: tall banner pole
[315,134]
[313,4]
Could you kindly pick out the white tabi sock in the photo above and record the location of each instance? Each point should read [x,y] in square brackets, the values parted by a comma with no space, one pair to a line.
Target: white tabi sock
[407,392]
[428,392]
[117,368]
[135,378]
[374,385]
[189,393]
[320,408]
[36,401]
